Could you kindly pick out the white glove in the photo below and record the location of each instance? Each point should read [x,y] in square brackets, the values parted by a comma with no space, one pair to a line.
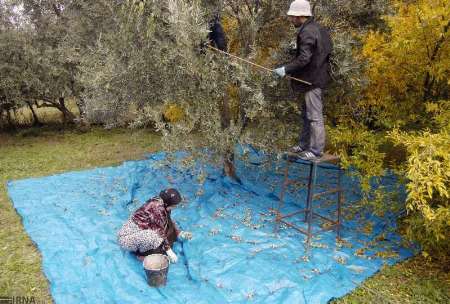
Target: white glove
[185,235]
[280,72]
[172,256]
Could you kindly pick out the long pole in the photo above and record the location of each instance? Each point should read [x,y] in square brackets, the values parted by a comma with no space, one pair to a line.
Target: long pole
[254,64]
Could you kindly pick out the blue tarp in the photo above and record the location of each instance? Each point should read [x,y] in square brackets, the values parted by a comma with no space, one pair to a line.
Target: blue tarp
[234,256]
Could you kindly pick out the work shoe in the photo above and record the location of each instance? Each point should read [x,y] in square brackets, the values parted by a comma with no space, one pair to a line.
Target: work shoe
[296,149]
[308,155]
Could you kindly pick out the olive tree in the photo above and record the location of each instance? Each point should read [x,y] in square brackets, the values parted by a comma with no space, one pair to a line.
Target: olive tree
[43,43]
[152,60]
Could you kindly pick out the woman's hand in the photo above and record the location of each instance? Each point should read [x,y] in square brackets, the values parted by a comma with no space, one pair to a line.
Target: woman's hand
[172,256]
[185,235]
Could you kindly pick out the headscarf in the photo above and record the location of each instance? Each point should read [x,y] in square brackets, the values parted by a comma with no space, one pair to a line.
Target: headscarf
[170,197]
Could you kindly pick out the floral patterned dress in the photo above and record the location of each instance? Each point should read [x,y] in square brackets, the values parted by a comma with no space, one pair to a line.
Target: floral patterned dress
[149,228]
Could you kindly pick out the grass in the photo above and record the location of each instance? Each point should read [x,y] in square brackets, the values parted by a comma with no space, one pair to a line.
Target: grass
[34,153]
[41,152]
[413,281]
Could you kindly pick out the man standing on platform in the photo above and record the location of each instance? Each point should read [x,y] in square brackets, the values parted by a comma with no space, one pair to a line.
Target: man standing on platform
[311,64]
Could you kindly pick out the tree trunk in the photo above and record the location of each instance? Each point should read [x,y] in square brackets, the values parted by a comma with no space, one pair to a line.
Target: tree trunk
[429,80]
[68,116]
[228,159]
[226,113]
[36,121]
[10,120]
[81,104]
[228,166]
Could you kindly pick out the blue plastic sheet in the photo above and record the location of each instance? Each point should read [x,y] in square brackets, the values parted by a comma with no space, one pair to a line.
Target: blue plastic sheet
[234,256]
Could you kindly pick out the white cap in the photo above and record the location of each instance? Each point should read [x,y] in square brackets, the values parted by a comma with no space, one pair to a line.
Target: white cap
[300,8]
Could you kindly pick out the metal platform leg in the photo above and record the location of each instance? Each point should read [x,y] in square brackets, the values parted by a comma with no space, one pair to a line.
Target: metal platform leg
[309,209]
[309,206]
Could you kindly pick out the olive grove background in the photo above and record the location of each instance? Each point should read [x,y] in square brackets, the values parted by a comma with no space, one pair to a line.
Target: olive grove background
[140,64]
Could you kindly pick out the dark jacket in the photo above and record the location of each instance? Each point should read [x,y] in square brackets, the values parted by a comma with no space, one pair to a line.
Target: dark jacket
[312,61]
[153,215]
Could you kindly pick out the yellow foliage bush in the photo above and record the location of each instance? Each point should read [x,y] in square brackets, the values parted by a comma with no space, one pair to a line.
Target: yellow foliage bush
[174,113]
[428,201]
[408,68]
[234,100]
[409,65]
[231,28]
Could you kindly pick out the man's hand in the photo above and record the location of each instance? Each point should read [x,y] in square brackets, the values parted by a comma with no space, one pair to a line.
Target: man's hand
[185,235]
[172,256]
[281,72]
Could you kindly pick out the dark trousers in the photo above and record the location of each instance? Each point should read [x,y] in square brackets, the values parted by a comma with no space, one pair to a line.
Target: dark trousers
[312,136]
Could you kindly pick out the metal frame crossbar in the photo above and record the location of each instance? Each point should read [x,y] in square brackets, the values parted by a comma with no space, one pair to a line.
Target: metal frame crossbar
[311,196]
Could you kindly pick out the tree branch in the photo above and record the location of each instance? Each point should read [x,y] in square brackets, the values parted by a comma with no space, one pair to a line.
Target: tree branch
[439,43]
[46,105]
[429,79]
[249,8]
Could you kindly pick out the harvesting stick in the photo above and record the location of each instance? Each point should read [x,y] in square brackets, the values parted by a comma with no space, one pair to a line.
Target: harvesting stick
[254,64]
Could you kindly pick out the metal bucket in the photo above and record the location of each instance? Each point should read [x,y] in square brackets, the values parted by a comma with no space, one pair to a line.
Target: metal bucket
[156,267]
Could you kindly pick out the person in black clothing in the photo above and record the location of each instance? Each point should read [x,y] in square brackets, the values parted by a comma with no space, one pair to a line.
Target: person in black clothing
[311,64]
[216,35]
